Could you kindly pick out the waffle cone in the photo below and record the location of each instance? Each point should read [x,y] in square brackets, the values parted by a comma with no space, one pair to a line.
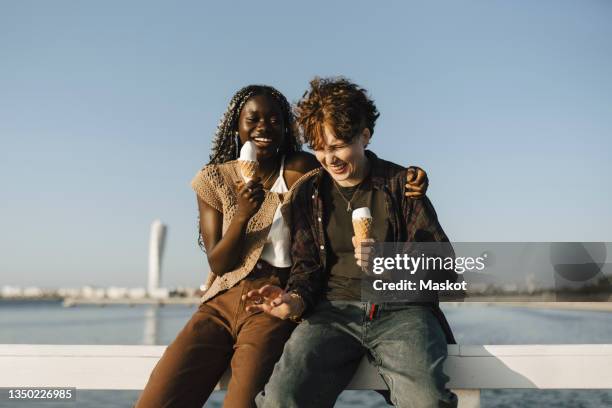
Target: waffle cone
[248,169]
[362,228]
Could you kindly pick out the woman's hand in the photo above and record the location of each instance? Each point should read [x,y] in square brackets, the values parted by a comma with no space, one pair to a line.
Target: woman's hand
[364,252]
[274,301]
[416,182]
[250,197]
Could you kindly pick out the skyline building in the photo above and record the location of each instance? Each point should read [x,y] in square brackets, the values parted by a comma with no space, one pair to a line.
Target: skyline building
[157,242]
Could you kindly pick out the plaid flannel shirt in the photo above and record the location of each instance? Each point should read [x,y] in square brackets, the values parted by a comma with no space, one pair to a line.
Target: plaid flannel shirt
[410,220]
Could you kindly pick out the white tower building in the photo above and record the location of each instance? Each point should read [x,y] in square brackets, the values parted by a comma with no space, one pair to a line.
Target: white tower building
[156,251]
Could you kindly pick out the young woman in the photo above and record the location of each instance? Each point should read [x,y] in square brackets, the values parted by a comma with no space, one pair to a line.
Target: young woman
[247,245]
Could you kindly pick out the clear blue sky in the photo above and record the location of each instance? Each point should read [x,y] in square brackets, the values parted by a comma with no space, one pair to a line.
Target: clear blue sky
[107,111]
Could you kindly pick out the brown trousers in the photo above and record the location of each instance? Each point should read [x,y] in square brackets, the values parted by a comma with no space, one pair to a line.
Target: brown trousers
[221,333]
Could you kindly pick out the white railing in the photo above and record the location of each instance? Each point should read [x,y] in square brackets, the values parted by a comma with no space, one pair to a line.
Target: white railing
[471,368]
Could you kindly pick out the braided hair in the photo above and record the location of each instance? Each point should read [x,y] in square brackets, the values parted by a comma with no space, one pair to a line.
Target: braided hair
[226,143]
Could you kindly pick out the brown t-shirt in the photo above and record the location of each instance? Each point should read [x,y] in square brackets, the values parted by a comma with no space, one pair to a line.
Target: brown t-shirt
[344,274]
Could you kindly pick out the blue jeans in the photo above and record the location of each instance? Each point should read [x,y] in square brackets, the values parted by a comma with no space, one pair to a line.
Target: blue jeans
[405,343]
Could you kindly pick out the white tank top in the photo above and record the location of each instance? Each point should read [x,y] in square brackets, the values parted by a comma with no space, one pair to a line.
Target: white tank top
[276,250]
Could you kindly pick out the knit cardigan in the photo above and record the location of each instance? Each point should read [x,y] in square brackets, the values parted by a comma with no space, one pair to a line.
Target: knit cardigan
[216,185]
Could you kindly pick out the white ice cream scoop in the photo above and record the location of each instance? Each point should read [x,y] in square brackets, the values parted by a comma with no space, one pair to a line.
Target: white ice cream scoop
[248,152]
[363,212]
[362,223]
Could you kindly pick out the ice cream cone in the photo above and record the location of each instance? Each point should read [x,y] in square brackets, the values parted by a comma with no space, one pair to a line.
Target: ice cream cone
[248,169]
[248,161]
[362,223]
[363,228]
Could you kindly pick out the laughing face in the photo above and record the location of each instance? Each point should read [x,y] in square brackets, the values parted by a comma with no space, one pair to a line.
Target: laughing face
[345,161]
[261,121]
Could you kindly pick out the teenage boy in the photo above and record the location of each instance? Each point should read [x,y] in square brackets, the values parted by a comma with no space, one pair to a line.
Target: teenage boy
[406,341]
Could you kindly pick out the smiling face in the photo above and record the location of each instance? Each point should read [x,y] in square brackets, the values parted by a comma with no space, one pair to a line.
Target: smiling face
[261,121]
[345,161]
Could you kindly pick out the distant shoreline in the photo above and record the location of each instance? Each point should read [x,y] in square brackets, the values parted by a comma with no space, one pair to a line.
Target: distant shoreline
[604,306]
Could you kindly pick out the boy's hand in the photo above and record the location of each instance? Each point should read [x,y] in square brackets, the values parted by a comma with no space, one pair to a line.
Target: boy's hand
[364,252]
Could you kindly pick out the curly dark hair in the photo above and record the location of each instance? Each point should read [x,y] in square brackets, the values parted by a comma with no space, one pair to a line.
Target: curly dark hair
[338,103]
[226,144]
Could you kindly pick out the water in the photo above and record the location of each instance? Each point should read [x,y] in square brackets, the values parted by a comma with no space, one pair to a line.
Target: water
[50,323]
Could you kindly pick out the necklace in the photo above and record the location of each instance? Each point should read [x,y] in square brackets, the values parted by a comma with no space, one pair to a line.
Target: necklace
[349,208]
[269,177]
